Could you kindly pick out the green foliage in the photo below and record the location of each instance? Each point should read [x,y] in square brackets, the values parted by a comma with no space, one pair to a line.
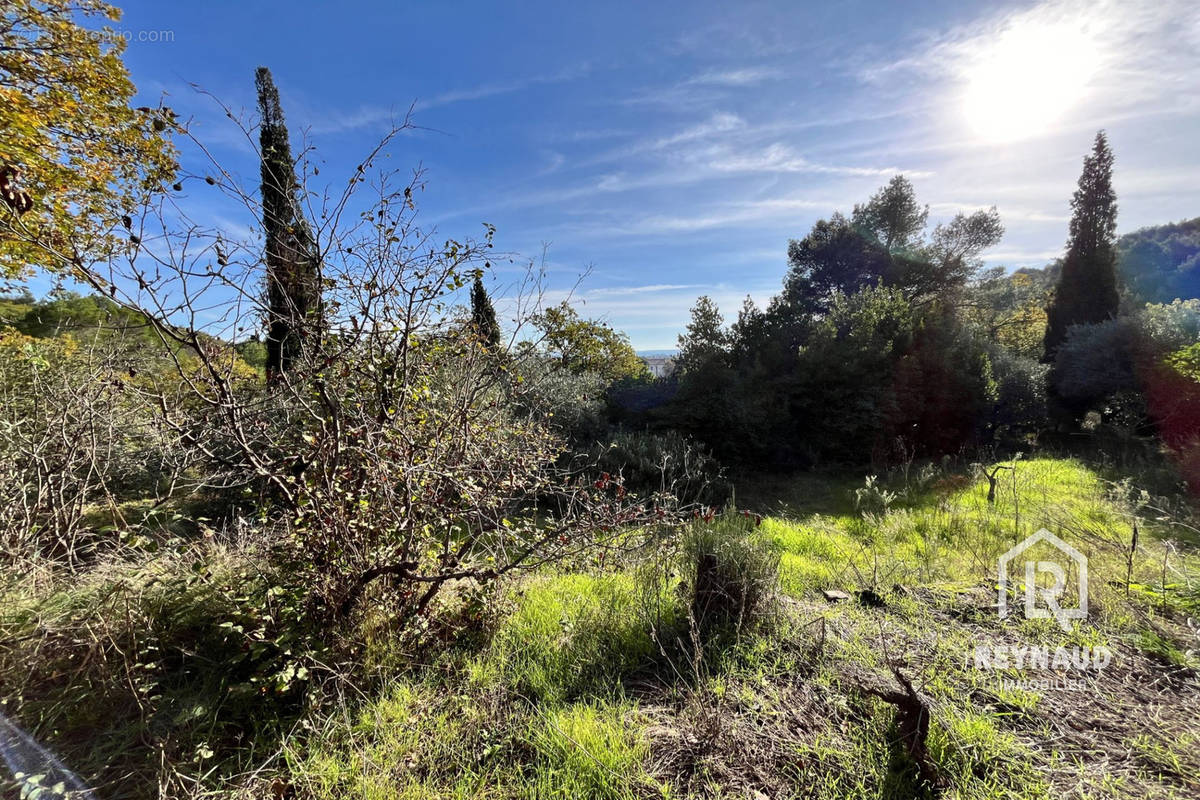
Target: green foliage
[1154,644]
[66,312]
[705,343]
[1010,308]
[1161,263]
[157,660]
[483,315]
[945,390]
[573,403]
[833,257]
[842,390]
[1087,288]
[583,345]
[884,242]
[662,462]
[292,258]
[253,352]
[1020,410]
[860,356]
[76,158]
[892,216]
[703,365]
[1111,365]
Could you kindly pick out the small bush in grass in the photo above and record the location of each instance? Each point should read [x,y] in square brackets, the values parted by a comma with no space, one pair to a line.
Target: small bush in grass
[732,573]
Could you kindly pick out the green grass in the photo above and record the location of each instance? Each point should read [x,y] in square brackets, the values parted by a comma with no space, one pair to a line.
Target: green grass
[570,634]
[589,750]
[573,691]
[421,741]
[982,761]
[955,538]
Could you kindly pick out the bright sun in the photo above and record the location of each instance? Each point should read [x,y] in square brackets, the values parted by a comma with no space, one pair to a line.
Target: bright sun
[1028,78]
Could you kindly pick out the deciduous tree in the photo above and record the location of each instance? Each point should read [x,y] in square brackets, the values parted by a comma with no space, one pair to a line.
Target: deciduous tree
[76,161]
[584,345]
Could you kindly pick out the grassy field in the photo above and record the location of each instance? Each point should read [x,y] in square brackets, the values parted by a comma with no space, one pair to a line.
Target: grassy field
[594,682]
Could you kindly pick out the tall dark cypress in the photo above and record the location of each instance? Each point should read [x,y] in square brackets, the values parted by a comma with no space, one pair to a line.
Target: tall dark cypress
[293,268]
[483,316]
[1087,290]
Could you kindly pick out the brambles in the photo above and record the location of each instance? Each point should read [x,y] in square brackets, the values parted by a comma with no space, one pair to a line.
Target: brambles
[397,453]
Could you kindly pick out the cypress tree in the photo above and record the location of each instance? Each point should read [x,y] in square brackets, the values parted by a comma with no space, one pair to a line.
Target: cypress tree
[293,268]
[483,315]
[1087,290]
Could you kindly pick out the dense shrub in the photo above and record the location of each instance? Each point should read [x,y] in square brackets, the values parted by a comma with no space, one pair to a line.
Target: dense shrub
[572,403]
[945,390]
[1098,366]
[662,463]
[842,393]
[77,438]
[872,378]
[1020,406]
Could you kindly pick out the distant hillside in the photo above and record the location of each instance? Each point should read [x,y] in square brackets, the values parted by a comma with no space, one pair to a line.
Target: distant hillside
[1161,263]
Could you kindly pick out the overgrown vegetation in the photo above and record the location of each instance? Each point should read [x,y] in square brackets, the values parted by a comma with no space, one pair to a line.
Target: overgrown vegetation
[302,518]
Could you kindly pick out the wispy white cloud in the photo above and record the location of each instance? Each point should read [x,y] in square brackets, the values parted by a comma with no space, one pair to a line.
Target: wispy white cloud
[654,288]
[380,116]
[746,76]
[779,157]
[718,123]
[728,215]
[1010,212]
[366,117]
[1021,257]
[554,161]
[494,89]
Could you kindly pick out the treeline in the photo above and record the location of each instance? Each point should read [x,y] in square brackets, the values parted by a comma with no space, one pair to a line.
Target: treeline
[1161,263]
[888,341]
[867,353]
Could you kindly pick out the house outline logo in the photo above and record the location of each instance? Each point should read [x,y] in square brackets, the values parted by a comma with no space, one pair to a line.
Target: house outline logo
[1049,597]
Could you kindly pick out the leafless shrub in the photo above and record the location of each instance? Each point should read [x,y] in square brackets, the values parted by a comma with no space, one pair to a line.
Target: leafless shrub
[73,441]
[396,450]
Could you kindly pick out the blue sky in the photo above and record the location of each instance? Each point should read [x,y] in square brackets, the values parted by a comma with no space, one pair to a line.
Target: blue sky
[674,148]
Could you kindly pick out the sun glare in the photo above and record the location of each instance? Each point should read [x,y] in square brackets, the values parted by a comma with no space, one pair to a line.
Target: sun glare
[1028,79]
